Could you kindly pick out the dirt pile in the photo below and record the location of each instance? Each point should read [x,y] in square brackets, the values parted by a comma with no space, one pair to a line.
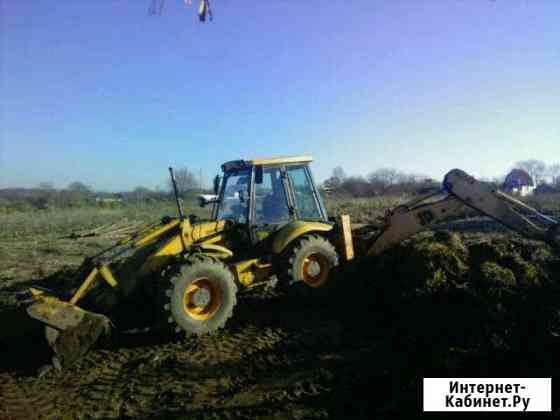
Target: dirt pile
[438,261]
[452,305]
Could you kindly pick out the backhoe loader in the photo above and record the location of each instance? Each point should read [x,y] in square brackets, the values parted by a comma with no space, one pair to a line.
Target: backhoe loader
[268,219]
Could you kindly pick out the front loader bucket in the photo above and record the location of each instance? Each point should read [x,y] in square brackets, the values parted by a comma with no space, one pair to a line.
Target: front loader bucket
[69,330]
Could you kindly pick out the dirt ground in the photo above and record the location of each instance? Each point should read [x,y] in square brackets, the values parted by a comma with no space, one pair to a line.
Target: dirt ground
[484,303]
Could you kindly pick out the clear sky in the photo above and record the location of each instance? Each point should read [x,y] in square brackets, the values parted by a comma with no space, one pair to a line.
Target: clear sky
[98,91]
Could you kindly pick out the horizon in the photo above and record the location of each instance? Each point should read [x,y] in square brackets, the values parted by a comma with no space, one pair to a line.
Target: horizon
[102,93]
[166,189]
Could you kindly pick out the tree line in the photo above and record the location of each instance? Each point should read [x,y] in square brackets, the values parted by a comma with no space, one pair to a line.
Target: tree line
[391,181]
[541,172]
[79,194]
[383,181]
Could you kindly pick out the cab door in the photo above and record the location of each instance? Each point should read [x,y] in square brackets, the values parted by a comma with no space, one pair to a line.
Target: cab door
[308,204]
[272,207]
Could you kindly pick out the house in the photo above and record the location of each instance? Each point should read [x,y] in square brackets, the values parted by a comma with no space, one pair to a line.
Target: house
[519,182]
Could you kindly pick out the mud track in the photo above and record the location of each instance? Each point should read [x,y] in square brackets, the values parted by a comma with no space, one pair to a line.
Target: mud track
[268,361]
[355,350]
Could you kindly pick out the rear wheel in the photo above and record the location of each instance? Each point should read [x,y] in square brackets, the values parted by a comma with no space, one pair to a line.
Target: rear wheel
[202,296]
[309,262]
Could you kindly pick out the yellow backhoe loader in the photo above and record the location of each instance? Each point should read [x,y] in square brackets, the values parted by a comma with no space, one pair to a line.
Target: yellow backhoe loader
[268,219]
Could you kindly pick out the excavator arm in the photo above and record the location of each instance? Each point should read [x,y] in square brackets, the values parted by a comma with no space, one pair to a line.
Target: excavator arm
[461,190]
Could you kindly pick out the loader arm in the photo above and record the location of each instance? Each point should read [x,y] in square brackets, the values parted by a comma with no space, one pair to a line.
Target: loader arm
[462,190]
[71,330]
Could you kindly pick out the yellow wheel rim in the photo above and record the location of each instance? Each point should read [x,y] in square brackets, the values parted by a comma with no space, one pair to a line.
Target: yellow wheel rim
[315,270]
[201,299]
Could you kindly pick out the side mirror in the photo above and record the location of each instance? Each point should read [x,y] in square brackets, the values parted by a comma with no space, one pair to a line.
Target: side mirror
[241,195]
[217,180]
[205,199]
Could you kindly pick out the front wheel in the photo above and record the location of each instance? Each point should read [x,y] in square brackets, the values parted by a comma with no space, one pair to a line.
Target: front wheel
[202,296]
[309,261]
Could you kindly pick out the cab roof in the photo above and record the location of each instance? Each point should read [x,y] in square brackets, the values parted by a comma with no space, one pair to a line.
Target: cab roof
[240,164]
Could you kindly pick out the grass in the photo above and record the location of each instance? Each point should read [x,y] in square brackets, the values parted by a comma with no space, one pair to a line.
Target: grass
[33,224]
[33,243]
[64,221]
[546,203]
[363,210]
[366,210]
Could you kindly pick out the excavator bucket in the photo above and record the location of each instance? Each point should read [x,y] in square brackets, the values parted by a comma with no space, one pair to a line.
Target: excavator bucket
[70,331]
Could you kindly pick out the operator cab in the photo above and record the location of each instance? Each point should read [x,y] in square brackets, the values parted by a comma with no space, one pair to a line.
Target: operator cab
[266,194]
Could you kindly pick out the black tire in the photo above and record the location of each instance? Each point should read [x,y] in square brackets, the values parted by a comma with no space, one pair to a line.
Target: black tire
[214,282]
[307,253]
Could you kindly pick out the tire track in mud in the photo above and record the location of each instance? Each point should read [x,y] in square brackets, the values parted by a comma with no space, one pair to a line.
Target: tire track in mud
[18,401]
[260,362]
[357,353]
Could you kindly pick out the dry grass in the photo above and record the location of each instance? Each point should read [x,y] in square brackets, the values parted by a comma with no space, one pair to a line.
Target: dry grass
[364,210]
[33,244]
[36,244]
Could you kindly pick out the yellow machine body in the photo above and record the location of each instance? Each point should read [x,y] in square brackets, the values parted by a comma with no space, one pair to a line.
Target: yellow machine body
[294,230]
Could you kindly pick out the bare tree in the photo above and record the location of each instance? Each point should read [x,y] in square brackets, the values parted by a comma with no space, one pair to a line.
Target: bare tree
[46,186]
[384,178]
[77,186]
[554,172]
[339,173]
[387,176]
[140,193]
[141,190]
[337,178]
[535,168]
[186,180]
[356,186]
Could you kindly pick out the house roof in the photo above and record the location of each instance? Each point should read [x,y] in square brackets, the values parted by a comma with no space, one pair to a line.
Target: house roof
[518,178]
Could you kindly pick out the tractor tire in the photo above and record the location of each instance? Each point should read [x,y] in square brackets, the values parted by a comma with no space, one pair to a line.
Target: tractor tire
[202,296]
[308,262]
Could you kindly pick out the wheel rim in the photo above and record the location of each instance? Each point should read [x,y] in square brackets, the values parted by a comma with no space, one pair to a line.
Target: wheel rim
[315,269]
[201,299]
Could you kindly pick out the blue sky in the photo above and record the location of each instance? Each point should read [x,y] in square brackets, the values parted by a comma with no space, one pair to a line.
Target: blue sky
[98,91]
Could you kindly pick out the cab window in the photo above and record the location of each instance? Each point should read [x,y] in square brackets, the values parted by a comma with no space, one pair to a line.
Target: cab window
[306,205]
[271,206]
[235,196]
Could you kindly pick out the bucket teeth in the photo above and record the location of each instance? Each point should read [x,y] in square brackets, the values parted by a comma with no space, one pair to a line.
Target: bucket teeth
[170,320]
[168,292]
[178,329]
[167,307]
